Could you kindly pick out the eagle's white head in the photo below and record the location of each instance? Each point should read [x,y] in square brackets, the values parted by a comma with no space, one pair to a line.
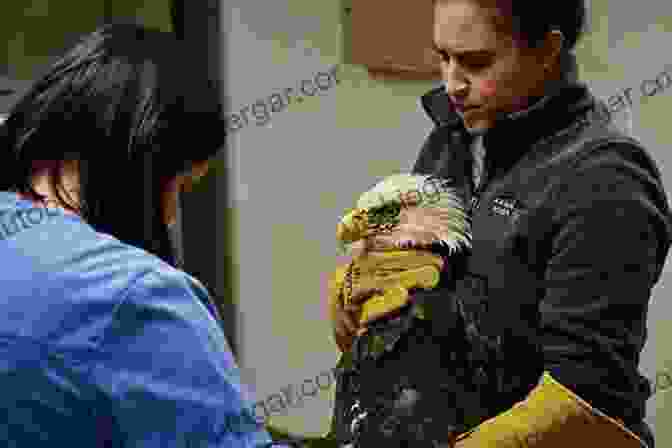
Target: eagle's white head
[407,211]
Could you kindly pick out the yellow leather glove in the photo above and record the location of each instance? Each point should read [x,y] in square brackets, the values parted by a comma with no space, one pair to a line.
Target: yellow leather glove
[552,416]
[343,320]
[395,272]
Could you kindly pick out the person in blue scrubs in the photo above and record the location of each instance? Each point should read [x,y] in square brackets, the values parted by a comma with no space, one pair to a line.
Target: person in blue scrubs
[104,340]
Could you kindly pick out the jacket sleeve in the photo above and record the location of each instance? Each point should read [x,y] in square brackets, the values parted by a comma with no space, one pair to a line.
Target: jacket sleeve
[609,241]
[609,238]
[167,372]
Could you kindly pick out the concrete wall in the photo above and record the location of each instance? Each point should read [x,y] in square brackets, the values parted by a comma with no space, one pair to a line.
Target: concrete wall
[292,176]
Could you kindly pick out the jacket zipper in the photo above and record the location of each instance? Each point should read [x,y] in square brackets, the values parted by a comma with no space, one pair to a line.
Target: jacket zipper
[477,193]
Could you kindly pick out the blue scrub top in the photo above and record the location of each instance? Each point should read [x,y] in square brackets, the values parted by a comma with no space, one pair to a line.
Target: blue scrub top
[105,345]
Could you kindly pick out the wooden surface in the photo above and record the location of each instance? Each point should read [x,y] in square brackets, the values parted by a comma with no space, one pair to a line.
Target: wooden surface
[393,38]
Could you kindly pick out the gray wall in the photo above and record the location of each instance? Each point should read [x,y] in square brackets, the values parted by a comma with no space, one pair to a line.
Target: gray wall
[292,177]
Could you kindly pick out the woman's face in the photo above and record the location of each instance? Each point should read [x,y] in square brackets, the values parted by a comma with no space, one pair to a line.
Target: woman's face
[486,72]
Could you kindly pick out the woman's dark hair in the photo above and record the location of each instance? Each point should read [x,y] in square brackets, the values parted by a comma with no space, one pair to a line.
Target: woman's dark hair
[530,20]
[130,105]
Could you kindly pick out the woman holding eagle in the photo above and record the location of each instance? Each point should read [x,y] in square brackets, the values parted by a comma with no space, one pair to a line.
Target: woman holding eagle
[513,313]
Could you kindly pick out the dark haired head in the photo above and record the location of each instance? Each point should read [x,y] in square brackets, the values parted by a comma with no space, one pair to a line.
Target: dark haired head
[529,20]
[130,106]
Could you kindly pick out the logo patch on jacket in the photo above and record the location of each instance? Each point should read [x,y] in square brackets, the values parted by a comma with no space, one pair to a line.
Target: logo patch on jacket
[507,206]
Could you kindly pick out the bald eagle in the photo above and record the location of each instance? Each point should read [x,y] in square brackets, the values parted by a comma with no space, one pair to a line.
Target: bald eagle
[400,234]
[415,377]
[407,211]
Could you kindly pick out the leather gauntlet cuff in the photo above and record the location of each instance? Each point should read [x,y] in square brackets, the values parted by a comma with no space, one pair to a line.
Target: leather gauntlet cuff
[552,416]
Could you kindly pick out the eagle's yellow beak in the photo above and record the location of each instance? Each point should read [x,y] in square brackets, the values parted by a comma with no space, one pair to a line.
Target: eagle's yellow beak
[353,226]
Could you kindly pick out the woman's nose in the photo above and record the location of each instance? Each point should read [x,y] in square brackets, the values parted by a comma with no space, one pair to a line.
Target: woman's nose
[455,83]
[457,90]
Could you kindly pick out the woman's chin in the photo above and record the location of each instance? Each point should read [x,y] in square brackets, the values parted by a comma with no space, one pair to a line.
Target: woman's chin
[476,125]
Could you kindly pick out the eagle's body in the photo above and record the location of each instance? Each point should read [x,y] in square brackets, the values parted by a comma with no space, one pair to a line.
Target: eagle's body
[417,376]
[408,381]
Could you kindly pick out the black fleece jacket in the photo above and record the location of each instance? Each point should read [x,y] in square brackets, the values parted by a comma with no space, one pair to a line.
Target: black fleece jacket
[570,233]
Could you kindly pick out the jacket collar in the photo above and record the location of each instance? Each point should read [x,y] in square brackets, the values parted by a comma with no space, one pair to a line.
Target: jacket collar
[512,135]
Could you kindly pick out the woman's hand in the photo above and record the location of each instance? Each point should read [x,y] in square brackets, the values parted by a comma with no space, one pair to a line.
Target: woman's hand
[345,318]
[397,272]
